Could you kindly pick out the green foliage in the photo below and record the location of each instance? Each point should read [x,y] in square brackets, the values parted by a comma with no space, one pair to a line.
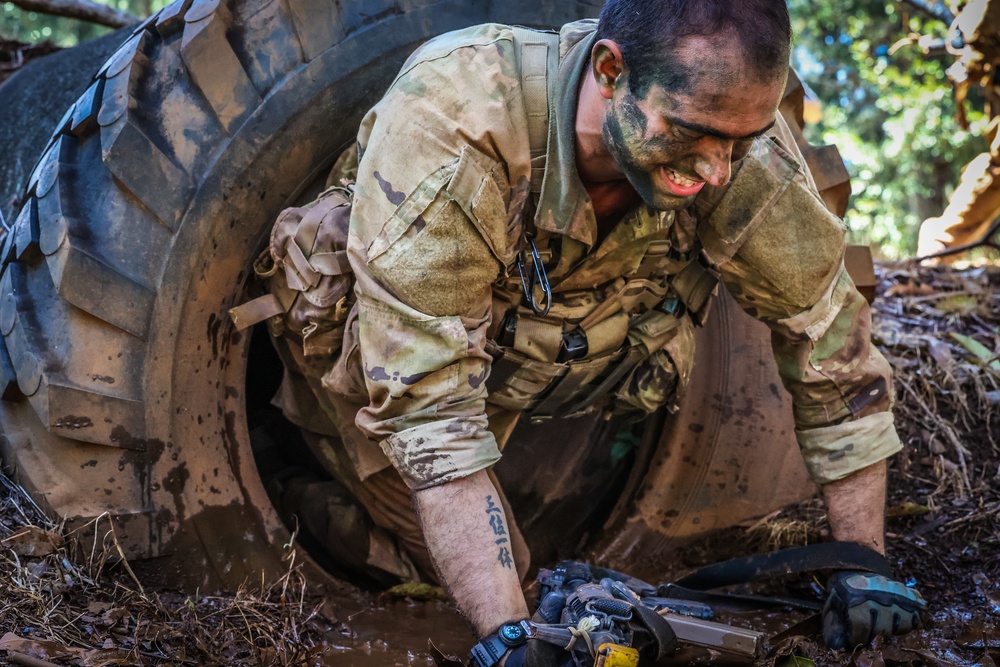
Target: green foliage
[32,27]
[891,113]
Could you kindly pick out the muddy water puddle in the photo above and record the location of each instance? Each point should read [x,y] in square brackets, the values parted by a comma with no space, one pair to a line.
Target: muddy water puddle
[396,634]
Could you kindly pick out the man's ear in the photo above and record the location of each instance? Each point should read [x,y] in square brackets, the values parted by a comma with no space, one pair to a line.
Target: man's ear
[608,67]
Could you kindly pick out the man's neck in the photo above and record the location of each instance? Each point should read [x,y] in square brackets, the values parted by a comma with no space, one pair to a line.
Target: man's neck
[593,161]
[611,195]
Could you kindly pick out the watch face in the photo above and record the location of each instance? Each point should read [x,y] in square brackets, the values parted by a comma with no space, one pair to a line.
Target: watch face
[512,634]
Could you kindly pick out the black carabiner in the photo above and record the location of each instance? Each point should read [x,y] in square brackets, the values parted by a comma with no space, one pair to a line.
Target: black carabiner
[538,278]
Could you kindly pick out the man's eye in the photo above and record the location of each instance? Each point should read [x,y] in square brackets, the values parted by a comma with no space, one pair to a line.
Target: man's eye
[685,134]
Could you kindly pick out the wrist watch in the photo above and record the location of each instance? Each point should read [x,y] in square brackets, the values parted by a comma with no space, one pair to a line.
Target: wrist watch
[490,649]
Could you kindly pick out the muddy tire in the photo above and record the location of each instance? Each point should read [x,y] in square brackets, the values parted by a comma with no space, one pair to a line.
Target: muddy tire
[122,377]
[124,383]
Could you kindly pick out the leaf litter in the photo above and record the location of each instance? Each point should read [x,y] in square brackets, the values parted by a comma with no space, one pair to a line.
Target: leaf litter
[64,602]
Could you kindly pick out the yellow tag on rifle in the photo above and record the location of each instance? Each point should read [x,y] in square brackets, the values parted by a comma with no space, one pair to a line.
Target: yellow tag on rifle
[616,655]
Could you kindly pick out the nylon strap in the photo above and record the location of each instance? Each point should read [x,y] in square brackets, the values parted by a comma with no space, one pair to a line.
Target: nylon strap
[631,360]
[828,555]
[331,263]
[580,374]
[303,276]
[257,310]
[735,601]
[694,285]
[539,53]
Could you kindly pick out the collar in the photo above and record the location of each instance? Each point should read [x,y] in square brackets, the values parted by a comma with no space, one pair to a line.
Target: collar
[564,207]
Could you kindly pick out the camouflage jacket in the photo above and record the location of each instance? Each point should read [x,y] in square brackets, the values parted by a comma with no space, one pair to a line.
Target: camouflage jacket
[443,177]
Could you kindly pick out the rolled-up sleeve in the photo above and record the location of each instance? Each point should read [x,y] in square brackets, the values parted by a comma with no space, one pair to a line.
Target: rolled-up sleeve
[425,376]
[428,231]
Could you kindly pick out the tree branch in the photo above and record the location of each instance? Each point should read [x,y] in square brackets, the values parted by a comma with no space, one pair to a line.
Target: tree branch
[935,8]
[83,10]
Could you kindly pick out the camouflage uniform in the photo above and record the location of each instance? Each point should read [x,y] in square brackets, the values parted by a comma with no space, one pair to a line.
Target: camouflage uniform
[444,181]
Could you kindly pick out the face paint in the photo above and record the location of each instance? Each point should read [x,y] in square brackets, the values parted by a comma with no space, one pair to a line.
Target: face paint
[670,144]
[623,128]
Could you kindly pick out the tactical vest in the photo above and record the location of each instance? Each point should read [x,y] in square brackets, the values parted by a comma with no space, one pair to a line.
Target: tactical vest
[564,360]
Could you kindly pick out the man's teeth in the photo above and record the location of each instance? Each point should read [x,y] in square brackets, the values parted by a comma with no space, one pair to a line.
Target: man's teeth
[680,180]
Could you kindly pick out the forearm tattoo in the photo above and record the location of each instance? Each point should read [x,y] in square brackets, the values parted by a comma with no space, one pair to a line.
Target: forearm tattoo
[500,532]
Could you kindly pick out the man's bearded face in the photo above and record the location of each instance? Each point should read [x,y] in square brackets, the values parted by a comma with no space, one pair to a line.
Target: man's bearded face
[670,144]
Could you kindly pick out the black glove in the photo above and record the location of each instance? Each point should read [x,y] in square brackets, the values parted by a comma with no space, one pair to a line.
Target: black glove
[860,606]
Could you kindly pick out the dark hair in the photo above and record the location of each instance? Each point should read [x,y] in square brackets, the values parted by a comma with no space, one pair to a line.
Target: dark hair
[649,32]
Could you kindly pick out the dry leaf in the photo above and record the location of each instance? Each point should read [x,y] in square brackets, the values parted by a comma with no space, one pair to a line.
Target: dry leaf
[795,661]
[907,509]
[44,650]
[103,657]
[909,289]
[940,352]
[960,304]
[34,542]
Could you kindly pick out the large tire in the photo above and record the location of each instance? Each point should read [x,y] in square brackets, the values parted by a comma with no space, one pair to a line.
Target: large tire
[124,383]
[33,100]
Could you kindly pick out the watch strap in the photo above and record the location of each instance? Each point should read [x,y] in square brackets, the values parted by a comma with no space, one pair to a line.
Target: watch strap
[489,650]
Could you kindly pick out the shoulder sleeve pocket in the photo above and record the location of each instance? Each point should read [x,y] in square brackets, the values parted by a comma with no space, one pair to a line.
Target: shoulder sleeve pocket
[763,176]
[474,187]
[442,246]
[776,230]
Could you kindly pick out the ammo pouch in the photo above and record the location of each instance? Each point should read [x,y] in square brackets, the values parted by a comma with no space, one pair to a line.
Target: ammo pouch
[556,366]
[306,275]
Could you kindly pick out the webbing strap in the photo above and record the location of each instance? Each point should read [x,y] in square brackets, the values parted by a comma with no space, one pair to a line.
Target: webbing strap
[331,263]
[257,310]
[828,555]
[566,387]
[539,53]
[631,360]
[694,285]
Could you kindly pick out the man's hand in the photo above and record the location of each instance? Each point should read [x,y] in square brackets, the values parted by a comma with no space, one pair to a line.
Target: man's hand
[860,606]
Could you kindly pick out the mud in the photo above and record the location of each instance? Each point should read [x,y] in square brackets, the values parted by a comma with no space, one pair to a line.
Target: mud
[397,633]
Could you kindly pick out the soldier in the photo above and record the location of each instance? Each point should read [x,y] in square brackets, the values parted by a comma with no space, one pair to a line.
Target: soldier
[974,38]
[538,222]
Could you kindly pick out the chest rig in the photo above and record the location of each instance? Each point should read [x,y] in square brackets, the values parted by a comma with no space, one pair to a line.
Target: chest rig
[567,352]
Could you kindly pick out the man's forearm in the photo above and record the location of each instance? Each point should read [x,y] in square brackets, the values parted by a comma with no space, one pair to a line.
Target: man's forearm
[469,539]
[855,506]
